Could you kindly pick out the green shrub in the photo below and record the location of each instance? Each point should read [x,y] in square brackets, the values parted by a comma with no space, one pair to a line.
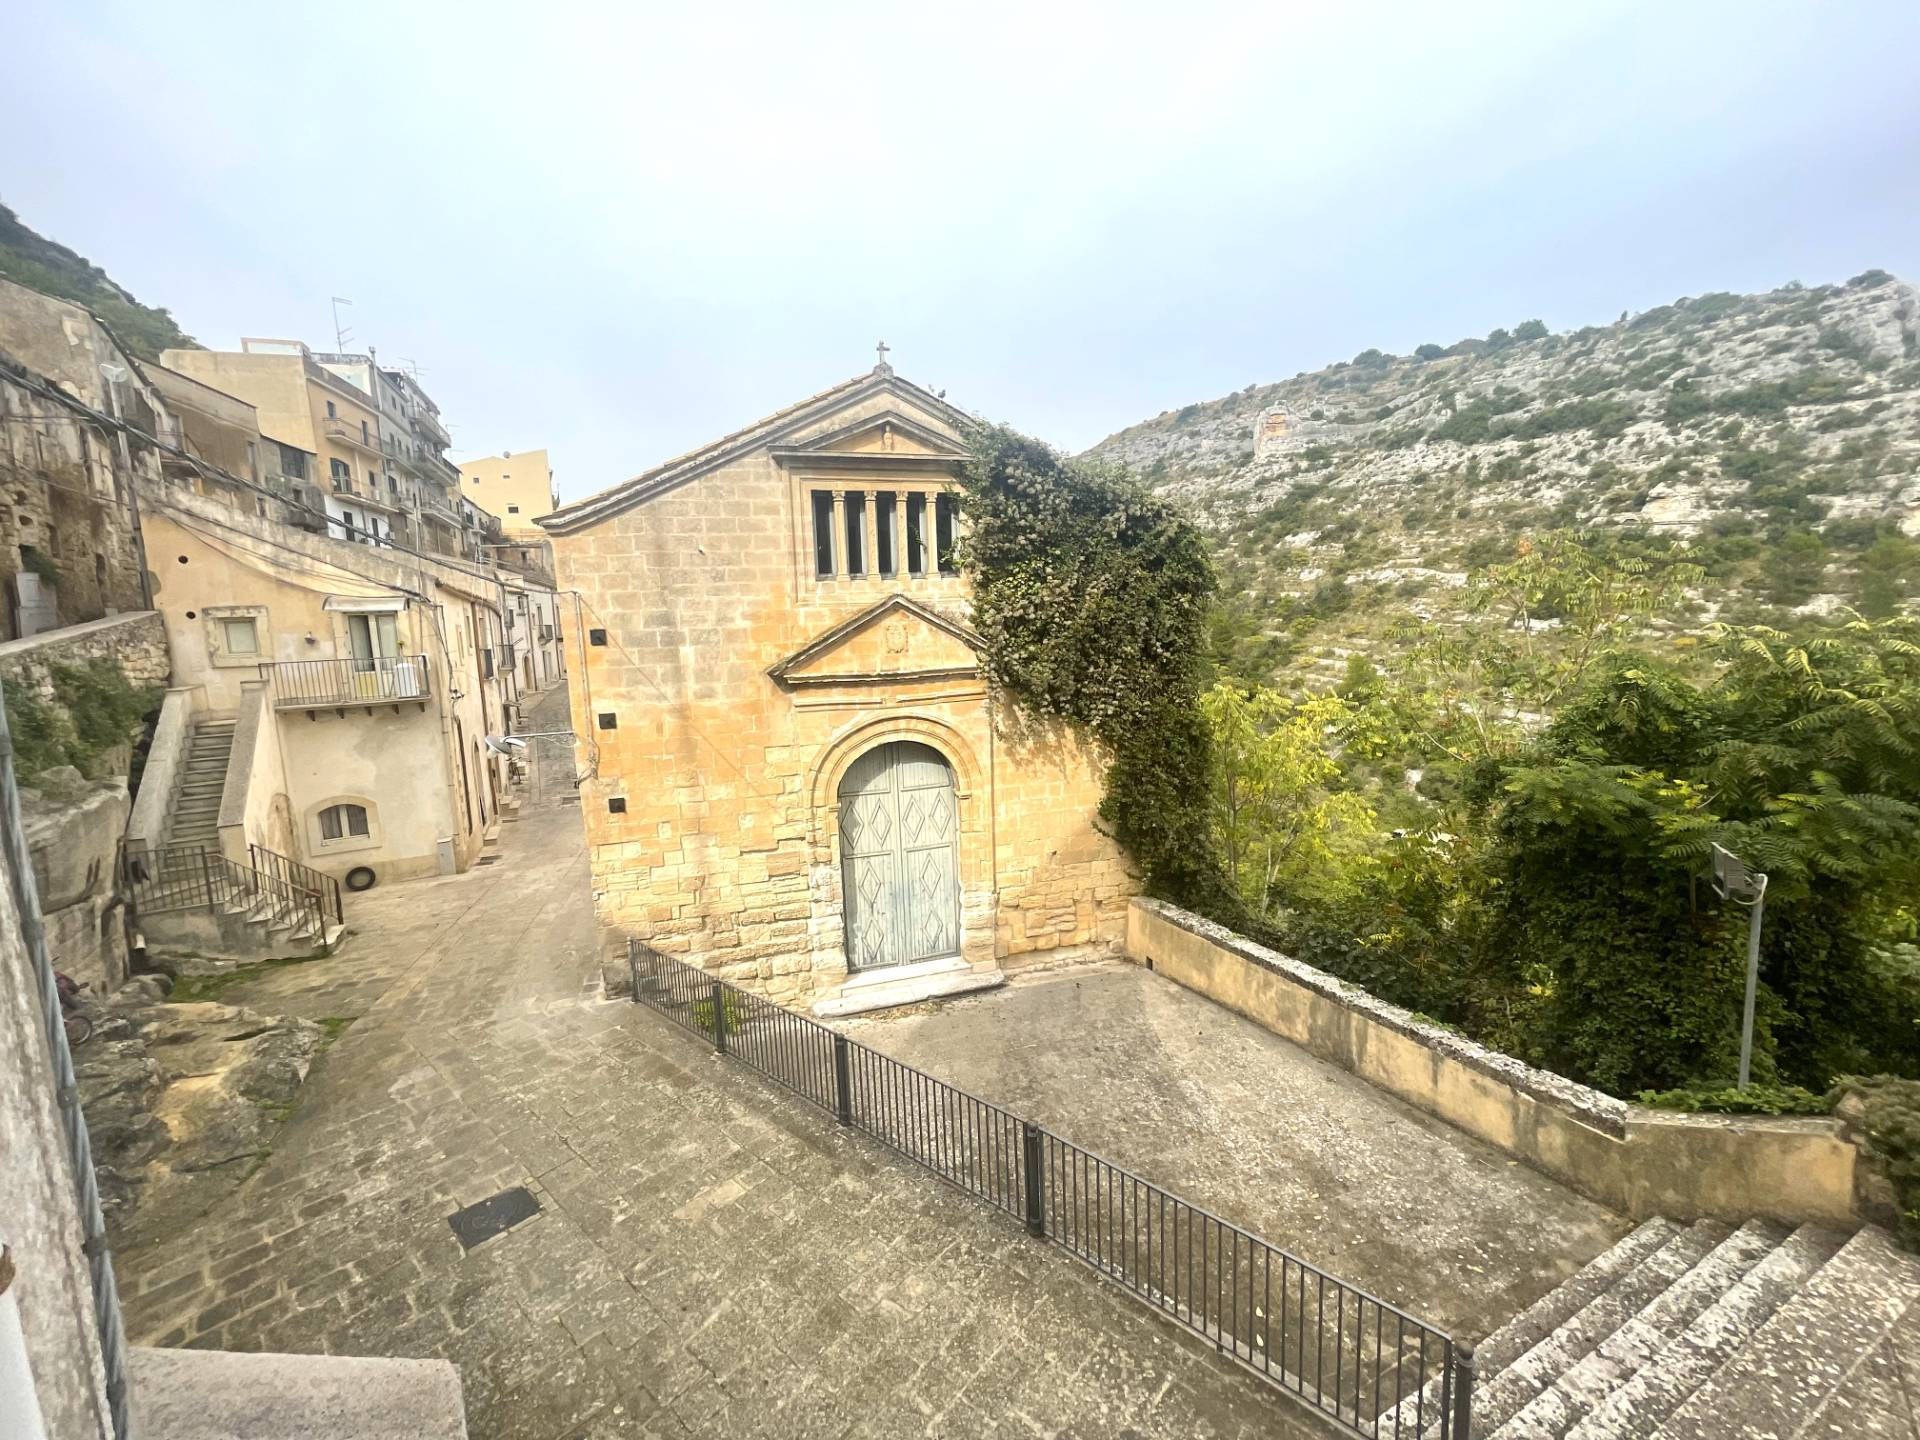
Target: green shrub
[1729,1100]
[93,711]
[1890,1124]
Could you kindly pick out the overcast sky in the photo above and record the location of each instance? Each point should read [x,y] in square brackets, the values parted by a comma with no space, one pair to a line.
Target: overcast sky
[621,230]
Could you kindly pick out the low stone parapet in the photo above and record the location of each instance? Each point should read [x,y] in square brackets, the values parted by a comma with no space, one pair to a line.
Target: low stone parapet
[1640,1161]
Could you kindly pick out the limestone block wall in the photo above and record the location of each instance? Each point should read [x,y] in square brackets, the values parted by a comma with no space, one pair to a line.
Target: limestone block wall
[135,642]
[1639,1161]
[711,812]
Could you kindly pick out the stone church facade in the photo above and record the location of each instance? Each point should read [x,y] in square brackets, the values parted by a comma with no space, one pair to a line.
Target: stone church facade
[798,776]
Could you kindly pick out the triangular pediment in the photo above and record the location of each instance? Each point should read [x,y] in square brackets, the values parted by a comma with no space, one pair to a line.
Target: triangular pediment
[790,432]
[891,432]
[897,639]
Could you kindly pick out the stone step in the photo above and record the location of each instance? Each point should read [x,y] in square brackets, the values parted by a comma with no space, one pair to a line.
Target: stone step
[1797,1362]
[1586,1383]
[1506,1393]
[1873,1403]
[1639,1406]
[1547,1314]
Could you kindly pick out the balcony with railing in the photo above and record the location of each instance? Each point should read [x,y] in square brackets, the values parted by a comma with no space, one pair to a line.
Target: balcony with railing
[351,432]
[336,684]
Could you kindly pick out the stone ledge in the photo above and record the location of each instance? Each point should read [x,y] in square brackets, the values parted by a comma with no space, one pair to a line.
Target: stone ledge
[1640,1161]
[222,1395]
[1593,1107]
[922,984]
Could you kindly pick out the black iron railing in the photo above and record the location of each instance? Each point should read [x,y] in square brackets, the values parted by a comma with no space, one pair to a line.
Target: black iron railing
[303,877]
[1370,1367]
[377,680]
[199,877]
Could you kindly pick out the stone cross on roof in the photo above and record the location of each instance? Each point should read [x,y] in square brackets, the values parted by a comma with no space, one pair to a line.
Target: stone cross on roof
[881,367]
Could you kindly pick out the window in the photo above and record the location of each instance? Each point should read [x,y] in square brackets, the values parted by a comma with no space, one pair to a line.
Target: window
[343,822]
[856,508]
[885,542]
[332,414]
[823,566]
[372,639]
[365,437]
[513,509]
[240,637]
[342,476]
[293,463]
[916,534]
[945,510]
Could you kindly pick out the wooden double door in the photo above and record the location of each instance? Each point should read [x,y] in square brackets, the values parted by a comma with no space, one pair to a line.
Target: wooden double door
[900,857]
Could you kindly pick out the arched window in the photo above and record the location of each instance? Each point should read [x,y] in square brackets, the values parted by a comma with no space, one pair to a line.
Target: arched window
[343,822]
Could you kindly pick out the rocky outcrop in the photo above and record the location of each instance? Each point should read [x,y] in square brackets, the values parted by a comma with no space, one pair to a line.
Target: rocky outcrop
[1703,422]
[183,1101]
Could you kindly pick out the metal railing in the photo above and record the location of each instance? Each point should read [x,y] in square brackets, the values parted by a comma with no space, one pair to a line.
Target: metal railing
[18,862]
[280,868]
[382,678]
[1368,1366]
[199,877]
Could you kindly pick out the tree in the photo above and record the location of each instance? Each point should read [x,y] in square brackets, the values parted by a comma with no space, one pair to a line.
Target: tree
[1530,330]
[1288,831]
[1429,351]
[1555,609]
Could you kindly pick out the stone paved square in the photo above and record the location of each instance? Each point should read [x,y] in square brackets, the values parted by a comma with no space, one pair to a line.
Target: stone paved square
[713,1257]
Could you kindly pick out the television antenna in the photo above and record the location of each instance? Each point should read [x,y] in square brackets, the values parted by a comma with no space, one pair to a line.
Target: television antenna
[340,332]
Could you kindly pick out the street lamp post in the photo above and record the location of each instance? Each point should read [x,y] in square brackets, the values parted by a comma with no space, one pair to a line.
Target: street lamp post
[1733,881]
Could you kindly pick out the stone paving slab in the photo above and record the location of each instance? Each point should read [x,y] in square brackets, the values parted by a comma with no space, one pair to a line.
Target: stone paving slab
[713,1257]
[1236,1119]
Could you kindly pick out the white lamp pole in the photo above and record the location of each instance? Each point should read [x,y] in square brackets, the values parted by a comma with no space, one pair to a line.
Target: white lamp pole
[1733,881]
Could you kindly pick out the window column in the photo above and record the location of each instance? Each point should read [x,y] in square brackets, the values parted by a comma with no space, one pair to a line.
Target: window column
[870,537]
[839,532]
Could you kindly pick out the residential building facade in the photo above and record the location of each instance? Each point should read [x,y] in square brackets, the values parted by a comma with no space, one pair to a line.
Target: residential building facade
[361,684]
[314,411]
[516,486]
[799,777]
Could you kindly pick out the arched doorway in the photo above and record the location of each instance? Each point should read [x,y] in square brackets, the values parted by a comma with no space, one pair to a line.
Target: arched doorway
[899,856]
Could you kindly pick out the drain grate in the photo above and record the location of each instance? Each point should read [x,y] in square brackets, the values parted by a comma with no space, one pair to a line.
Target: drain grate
[488,860]
[493,1216]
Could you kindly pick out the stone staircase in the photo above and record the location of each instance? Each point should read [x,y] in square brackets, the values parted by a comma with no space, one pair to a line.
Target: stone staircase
[196,798]
[1708,1332]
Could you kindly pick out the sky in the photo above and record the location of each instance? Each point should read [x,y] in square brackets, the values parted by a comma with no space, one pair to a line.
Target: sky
[621,230]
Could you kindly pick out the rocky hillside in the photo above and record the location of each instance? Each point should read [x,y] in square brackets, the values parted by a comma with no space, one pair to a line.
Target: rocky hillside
[1773,439]
[45,265]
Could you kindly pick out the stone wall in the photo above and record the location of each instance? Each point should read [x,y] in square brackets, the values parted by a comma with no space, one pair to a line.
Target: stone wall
[725,849]
[74,824]
[39,1215]
[136,643]
[1639,1161]
[66,477]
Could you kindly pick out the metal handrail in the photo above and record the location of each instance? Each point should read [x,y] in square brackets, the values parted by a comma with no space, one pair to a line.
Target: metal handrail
[374,680]
[1370,1367]
[199,877]
[302,876]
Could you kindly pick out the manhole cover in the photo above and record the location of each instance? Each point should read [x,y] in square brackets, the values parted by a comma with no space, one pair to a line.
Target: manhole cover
[488,860]
[493,1216]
